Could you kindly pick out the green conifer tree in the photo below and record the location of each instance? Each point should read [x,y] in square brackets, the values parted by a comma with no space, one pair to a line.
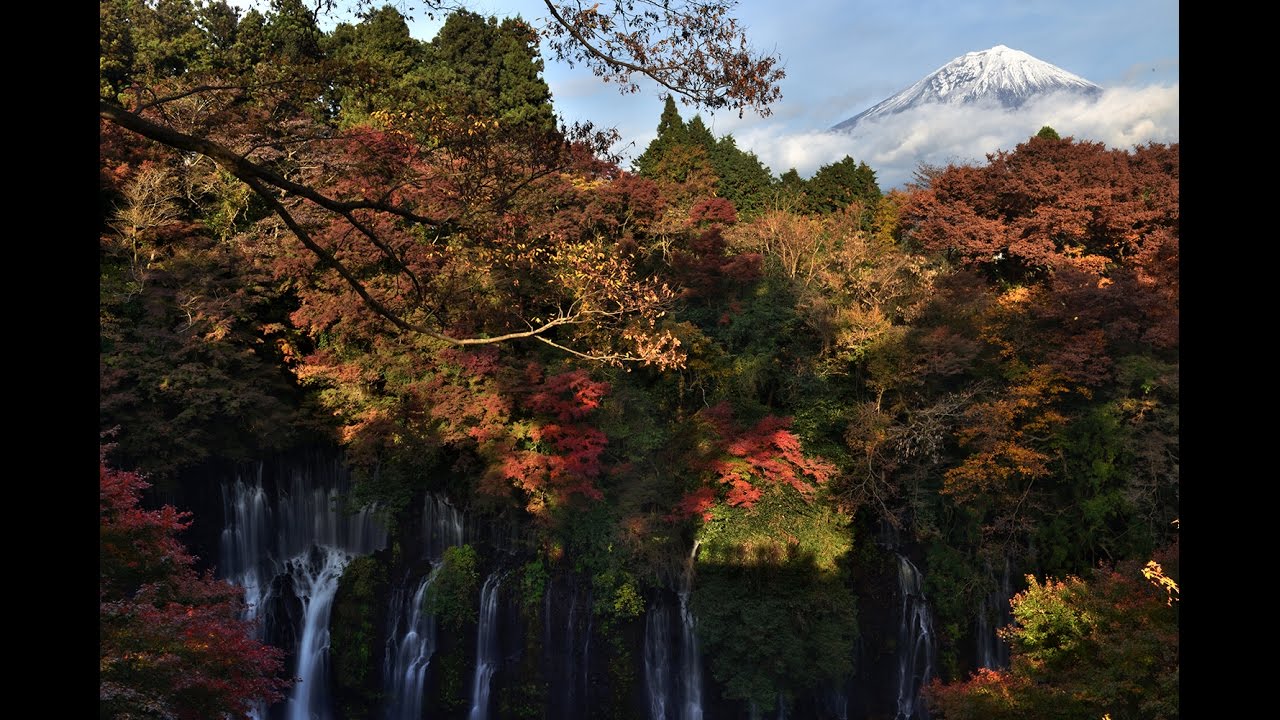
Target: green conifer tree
[479,66]
[671,132]
[838,184]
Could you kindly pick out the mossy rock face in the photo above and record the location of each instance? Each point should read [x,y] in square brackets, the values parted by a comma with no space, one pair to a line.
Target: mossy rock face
[454,597]
[622,682]
[528,697]
[355,636]
[533,579]
[523,701]
[454,693]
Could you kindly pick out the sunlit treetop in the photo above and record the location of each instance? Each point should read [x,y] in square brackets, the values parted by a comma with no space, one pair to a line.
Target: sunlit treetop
[694,49]
[282,107]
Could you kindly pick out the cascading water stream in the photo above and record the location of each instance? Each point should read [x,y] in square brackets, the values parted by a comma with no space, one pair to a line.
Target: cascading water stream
[657,661]
[298,532]
[244,541]
[915,643]
[690,658]
[566,645]
[995,613]
[673,678]
[315,581]
[409,657]
[411,640]
[486,647]
[442,527]
[244,545]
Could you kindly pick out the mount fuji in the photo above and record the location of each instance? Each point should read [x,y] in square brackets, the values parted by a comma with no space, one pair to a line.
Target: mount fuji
[1001,76]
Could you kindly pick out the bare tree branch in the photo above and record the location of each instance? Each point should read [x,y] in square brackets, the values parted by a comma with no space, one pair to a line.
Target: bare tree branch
[329,259]
[242,167]
[261,180]
[692,48]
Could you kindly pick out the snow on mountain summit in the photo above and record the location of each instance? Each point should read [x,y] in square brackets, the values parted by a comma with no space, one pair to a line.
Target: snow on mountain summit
[1001,74]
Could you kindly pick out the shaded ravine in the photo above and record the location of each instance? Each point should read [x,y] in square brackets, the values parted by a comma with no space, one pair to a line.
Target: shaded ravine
[286,542]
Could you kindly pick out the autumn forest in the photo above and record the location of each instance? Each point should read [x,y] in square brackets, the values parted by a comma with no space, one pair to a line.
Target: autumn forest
[670,438]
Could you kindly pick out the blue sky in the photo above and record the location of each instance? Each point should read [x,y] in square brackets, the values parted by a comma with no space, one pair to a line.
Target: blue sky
[843,57]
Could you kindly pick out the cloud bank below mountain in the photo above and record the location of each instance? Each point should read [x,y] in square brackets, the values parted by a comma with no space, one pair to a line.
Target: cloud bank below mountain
[939,134]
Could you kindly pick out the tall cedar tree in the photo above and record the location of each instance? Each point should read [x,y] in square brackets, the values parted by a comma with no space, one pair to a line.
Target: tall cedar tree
[682,151]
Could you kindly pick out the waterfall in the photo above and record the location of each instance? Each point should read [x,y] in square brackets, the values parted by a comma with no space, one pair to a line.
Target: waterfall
[569,675]
[411,639]
[442,526]
[265,532]
[245,542]
[244,545]
[915,643]
[995,613]
[691,667]
[298,532]
[548,638]
[567,625]
[315,580]
[690,658]
[657,660]
[486,647]
[673,684]
[409,650]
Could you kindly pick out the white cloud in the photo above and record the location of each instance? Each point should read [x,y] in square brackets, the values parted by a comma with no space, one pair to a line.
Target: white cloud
[941,134]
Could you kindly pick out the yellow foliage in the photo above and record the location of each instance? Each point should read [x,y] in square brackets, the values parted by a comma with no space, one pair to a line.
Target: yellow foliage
[1015,296]
[1155,574]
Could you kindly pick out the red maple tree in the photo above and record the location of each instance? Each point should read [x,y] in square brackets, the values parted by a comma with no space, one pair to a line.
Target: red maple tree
[172,641]
[747,459]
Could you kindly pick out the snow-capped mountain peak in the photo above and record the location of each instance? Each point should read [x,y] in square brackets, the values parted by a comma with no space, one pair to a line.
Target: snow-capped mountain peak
[1001,75]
